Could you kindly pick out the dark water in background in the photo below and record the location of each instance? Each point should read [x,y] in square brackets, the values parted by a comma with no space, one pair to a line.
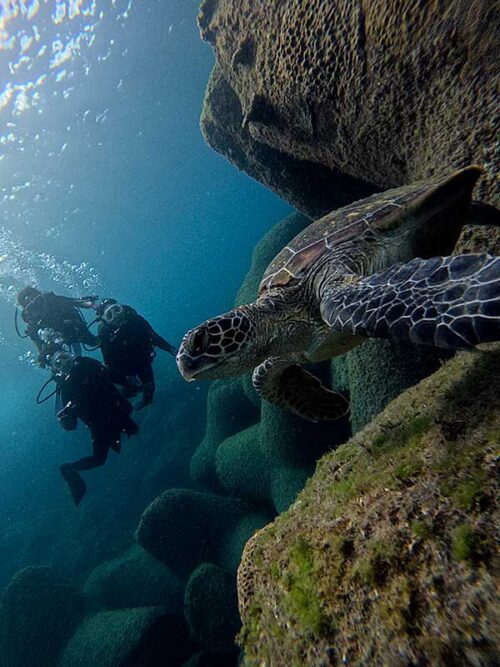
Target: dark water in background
[107,186]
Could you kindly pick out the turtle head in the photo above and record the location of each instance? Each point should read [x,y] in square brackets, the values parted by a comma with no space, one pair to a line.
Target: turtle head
[224,346]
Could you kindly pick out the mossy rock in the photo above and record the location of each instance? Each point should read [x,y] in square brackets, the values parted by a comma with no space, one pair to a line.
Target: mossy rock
[38,613]
[211,608]
[135,579]
[388,556]
[141,637]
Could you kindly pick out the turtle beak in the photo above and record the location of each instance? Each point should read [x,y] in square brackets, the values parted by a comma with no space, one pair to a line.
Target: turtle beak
[185,366]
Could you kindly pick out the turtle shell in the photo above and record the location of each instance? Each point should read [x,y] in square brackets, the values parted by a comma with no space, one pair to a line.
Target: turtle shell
[384,213]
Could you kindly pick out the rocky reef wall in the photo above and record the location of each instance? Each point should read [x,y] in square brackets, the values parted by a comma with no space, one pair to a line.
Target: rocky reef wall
[347,95]
[388,557]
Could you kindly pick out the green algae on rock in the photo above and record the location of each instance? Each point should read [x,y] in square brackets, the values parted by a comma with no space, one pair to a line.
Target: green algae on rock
[388,555]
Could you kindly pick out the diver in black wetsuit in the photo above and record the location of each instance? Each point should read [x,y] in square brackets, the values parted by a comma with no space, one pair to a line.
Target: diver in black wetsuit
[127,343]
[46,311]
[87,393]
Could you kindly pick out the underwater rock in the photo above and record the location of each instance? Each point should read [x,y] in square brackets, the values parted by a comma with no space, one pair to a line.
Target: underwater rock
[184,528]
[146,636]
[38,613]
[211,608]
[388,555]
[385,93]
[228,411]
[135,579]
[310,187]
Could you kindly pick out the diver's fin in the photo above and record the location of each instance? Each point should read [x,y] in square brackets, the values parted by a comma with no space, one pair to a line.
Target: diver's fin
[290,386]
[75,482]
[483,214]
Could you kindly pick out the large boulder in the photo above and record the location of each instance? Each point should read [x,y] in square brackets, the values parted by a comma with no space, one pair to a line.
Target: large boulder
[145,637]
[388,556]
[184,528]
[310,187]
[316,99]
[135,579]
[38,613]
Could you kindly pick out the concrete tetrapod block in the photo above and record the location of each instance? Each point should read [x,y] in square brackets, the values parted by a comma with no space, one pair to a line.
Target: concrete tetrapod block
[183,528]
[135,579]
[38,613]
[142,637]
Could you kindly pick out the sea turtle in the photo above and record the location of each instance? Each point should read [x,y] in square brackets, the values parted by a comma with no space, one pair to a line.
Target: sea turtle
[367,270]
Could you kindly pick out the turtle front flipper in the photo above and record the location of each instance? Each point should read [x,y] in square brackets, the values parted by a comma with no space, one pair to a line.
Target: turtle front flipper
[449,302]
[290,386]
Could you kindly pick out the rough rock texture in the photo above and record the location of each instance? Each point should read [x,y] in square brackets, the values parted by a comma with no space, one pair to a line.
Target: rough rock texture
[38,613]
[310,187]
[184,528]
[385,92]
[389,556]
[144,637]
[134,580]
[211,608]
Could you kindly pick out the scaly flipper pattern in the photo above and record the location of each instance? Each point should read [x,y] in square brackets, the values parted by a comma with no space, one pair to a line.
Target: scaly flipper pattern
[290,386]
[449,302]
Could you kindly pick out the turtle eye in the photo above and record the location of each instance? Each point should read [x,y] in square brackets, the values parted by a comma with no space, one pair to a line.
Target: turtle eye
[199,340]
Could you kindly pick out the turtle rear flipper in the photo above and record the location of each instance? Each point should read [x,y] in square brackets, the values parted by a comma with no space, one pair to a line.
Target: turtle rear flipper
[483,214]
[449,302]
[292,387]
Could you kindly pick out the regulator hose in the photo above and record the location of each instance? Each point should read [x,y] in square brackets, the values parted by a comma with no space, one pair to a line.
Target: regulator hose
[39,400]
[16,324]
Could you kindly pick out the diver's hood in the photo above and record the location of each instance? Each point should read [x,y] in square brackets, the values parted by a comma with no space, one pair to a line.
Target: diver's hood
[27,295]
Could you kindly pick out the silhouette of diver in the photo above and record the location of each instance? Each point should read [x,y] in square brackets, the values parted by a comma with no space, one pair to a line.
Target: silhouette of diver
[127,344]
[46,311]
[87,393]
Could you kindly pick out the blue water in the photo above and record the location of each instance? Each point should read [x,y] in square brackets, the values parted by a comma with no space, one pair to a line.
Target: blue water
[107,187]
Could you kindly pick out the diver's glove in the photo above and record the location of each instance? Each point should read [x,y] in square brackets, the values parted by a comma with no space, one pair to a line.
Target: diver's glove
[67,417]
[88,301]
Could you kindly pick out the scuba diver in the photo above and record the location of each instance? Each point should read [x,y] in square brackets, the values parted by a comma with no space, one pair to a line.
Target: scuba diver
[86,393]
[127,344]
[47,314]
